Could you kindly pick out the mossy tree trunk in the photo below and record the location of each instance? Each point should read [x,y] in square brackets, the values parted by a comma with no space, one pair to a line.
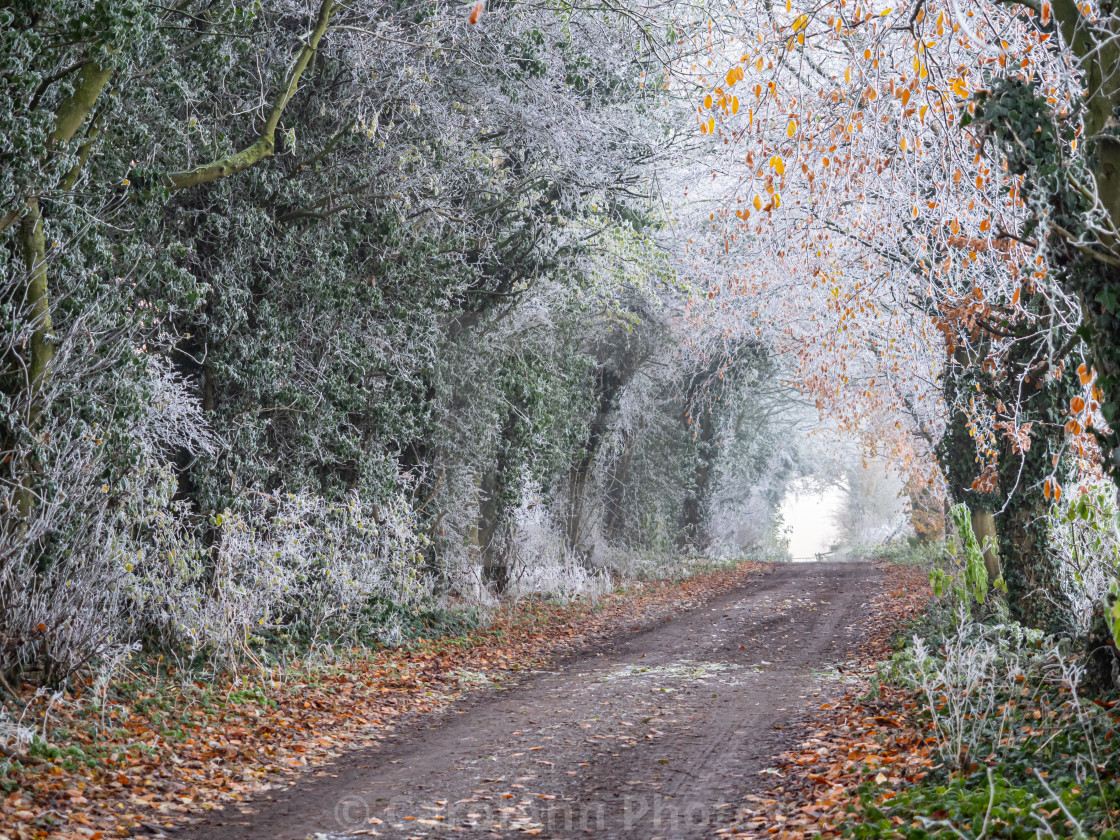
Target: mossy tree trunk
[494,493]
[608,388]
[694,511]
[1010,505]
[984,527]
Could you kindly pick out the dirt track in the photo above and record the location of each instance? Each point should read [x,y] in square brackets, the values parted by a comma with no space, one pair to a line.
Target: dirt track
[655,735]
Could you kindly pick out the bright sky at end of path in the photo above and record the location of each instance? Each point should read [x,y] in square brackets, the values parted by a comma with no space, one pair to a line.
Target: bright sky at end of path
[809,514]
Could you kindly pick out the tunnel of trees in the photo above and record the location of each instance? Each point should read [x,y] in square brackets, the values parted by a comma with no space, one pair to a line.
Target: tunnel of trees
[314,312]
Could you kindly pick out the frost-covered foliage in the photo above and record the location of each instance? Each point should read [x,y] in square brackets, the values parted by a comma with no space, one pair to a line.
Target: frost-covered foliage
[313,311]
[293,566]
[1085,538]
[541,559]
[870,222]
[1022,750]
[88,483]
[963,682]
[14,735]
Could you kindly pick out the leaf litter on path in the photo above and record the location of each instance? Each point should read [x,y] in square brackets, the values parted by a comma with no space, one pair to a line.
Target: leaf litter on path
[850,738]
[171,749]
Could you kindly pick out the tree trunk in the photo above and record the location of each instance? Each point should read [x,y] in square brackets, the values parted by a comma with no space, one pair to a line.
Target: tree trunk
[984,526]
[615,494]
[1032,571]
[694,509]
[608,386]
[495,568]
[40,348]
[37,299]
[578,479]
[492,513]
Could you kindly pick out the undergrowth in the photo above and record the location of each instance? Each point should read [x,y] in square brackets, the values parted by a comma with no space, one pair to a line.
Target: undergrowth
[1023,753]
[1025,748]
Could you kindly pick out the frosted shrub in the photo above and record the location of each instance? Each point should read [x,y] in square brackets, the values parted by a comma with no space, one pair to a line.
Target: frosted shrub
[97,492]
[14,735]
[532,545]
[561,575]
[1085,536]
[292,566]
[108,557]
[965,683]
[540,561]
[647,563]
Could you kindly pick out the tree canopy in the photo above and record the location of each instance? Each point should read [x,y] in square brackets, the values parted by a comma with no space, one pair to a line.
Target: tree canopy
[316,311]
